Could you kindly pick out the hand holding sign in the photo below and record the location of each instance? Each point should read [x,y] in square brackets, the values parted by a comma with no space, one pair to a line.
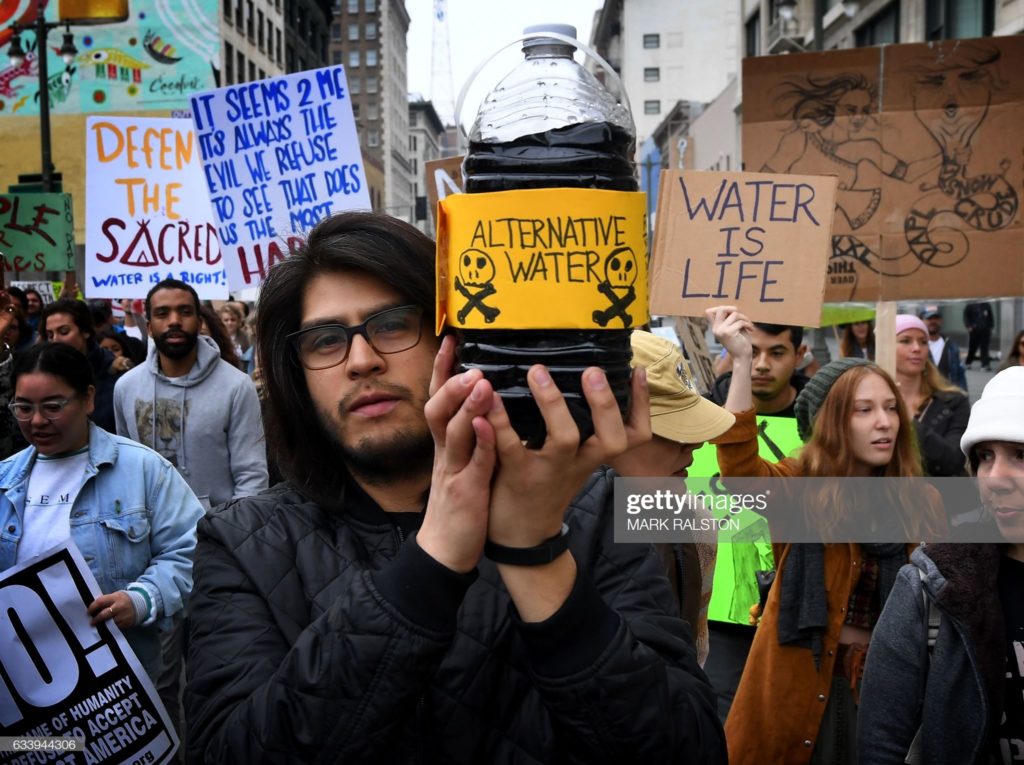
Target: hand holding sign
[759,240]
[117,606]
[731,328]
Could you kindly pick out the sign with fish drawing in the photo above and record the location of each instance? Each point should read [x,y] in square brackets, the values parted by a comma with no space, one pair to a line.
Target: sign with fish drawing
[154,60]
[925,142]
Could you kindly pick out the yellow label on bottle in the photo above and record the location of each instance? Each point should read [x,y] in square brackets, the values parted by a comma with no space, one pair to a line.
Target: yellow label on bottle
[542,259]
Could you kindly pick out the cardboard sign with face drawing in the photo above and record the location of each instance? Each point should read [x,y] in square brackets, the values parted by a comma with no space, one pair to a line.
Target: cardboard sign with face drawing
[925,140]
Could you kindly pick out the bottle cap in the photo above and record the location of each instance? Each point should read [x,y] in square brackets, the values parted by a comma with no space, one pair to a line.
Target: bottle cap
[563,29]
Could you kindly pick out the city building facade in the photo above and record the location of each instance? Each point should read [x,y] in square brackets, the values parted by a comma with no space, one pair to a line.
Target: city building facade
[426,132]
[252,40]
[368,37]
[666,51]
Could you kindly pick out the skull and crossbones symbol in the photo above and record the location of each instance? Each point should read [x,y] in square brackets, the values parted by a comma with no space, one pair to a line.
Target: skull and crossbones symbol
[476,272]
[620,269]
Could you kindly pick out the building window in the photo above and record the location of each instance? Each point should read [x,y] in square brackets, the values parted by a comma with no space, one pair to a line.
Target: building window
[355,86]
[277,34]
[239,15]
[752,33]
[353,59]
[372,111]
[412,119]
[652,107]
[250,22]
[263,75]
[652,74]
[227,10]
[371,57]
[353,6]
[371,85]
[371,30]
[370,6]
[336,56]
[412,143]
[229,63]
[252,71]
[652,41]
[335,31]
[353,32]
[260,39]
[414,166]
[881,29]
[373,138]
[240,66]
[958,19]
[355,111]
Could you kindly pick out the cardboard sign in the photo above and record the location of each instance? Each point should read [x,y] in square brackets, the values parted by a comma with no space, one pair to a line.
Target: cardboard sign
[756,241]
[279,155]
[147,215]
[64,677]
[926,143]
[542,259]
[37,232]
[443,177]
[695,348]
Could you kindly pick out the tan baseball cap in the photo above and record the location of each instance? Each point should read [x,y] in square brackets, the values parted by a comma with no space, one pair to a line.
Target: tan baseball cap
[678,412]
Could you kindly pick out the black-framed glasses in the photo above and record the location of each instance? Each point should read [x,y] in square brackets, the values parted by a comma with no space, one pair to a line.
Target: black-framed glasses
[51,409]
[327,345]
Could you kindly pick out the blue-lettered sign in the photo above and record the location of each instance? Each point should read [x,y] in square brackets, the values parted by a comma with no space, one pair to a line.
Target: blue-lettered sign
[279,155]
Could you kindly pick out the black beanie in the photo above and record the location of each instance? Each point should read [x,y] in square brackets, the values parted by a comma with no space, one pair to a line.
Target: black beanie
[810,399]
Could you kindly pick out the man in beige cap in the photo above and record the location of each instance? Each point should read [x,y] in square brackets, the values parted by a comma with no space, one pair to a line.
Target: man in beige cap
[681,421]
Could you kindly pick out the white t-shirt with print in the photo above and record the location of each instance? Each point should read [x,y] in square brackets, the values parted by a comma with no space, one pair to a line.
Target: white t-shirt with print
[52,488]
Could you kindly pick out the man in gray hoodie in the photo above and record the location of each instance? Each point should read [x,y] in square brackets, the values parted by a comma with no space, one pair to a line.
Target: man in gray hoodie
[202,415]
[196,410]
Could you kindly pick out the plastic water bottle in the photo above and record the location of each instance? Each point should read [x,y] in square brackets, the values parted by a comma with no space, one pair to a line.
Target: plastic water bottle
[549,123]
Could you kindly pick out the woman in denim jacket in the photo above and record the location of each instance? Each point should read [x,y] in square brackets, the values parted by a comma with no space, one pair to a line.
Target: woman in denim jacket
[126,508]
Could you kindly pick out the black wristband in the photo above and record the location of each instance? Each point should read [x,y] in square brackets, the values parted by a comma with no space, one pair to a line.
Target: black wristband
[543,553]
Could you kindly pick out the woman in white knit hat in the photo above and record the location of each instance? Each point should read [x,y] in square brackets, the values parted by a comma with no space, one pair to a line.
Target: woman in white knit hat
[956,697]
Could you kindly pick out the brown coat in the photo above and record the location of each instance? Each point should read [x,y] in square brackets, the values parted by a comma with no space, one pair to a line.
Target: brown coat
[781,698]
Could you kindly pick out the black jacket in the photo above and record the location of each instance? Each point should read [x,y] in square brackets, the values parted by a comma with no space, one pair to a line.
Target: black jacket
[957,692]
[939,432]
[318,636]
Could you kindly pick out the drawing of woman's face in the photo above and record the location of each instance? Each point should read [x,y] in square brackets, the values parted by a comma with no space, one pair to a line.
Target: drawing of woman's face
[952,102]
[851,114]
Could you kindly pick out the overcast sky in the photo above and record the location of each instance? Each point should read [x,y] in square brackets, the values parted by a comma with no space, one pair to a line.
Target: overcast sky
[477,29]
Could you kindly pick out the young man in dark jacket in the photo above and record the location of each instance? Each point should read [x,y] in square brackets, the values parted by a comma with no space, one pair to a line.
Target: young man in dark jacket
[350,614]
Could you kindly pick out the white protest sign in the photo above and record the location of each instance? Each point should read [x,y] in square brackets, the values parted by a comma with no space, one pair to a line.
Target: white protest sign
[279,155]
[147,213]
[62,677]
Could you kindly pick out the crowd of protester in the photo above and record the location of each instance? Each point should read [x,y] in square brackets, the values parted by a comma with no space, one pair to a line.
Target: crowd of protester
[360,560]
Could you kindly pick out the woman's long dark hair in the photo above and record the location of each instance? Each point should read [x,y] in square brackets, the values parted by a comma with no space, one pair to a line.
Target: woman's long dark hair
[386,248]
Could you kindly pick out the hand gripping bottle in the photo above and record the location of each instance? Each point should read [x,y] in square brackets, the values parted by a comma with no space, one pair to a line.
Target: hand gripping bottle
[552,278]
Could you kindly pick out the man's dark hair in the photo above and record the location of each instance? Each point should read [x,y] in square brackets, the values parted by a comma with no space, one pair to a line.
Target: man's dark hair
[57,359]
[77,310]
[385,248]
[796,334]
[171,284]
